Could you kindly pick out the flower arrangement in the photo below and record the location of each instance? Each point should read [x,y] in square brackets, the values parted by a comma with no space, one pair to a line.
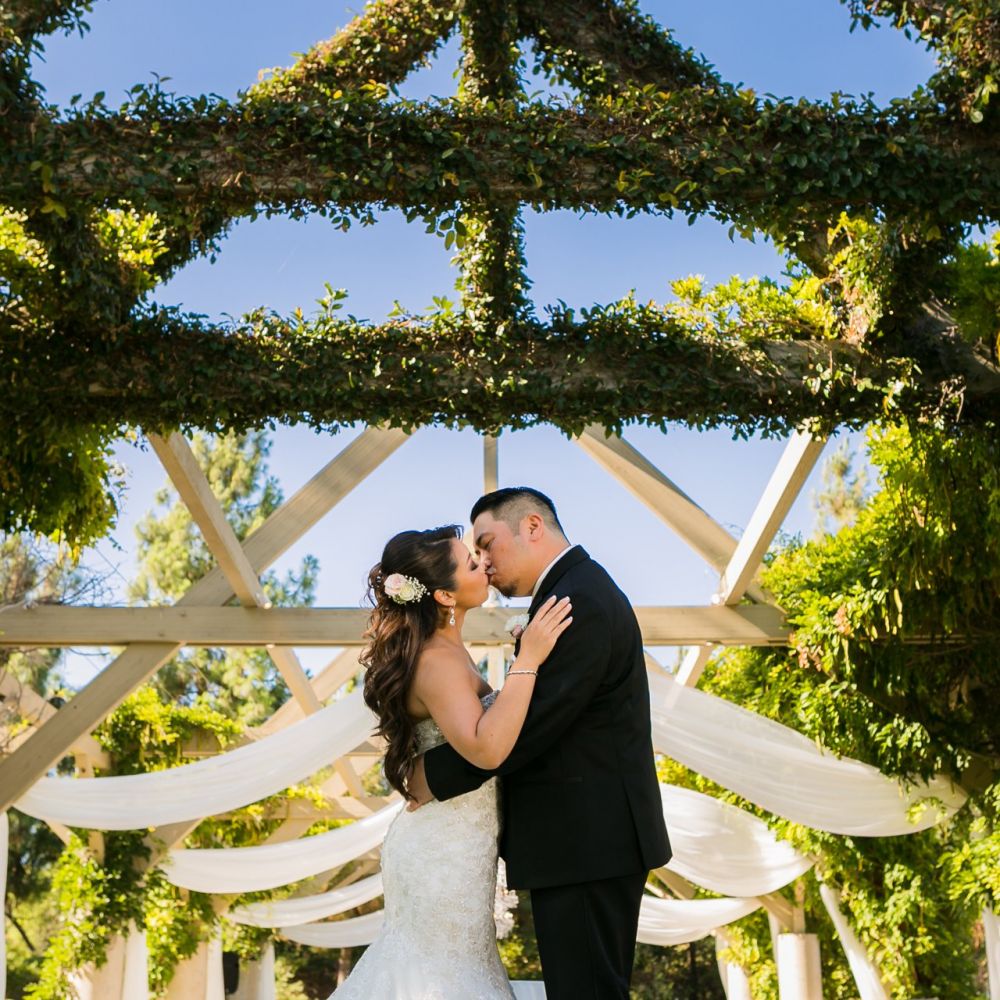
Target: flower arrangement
[404,589]
[516,624]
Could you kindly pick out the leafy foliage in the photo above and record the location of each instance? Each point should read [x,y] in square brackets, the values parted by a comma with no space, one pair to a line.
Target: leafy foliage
[893,661]
[100,205]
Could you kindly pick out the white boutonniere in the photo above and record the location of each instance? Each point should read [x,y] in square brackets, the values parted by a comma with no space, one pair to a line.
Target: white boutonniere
[516,624]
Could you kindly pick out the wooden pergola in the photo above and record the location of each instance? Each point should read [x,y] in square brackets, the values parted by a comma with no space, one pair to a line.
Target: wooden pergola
[151,636]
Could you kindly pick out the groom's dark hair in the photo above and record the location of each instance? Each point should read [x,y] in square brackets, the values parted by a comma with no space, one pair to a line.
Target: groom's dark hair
[515,502]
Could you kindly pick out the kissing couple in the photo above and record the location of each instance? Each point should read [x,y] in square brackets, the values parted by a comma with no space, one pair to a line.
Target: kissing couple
[554,772]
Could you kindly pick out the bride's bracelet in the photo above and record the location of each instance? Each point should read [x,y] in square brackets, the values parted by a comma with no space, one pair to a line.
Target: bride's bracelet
[510,673]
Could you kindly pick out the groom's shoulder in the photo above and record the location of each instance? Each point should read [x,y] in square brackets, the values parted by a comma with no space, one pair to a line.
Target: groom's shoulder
[589,573]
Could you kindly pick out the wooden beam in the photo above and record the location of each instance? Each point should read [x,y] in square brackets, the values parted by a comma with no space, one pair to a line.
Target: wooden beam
[166,628]
[491,463]
[793,469]
[664,498]
[786,482]
[134,666]
[32,707]
[335,674]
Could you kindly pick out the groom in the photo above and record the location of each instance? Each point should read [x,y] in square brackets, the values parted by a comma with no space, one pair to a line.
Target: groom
[582,815]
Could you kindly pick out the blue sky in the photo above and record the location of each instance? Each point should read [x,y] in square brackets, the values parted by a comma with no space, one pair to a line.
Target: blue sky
[786,48]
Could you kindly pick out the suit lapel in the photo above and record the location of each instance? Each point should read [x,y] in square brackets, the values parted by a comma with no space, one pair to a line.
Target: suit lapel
[575,555]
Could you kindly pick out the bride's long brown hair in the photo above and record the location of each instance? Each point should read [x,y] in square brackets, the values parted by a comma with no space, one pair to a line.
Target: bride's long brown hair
[397,633]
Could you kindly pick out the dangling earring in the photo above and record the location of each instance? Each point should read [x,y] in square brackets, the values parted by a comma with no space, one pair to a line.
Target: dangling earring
[451,620]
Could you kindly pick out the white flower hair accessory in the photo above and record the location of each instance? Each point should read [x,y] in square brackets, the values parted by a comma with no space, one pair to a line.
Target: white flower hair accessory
[404,589]
[516,624]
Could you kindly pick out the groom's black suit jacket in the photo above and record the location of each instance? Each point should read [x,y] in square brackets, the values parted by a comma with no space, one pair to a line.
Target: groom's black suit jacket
[580,796]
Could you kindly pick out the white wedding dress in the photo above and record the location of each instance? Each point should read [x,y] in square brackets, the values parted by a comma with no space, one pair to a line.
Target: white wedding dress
[439,871]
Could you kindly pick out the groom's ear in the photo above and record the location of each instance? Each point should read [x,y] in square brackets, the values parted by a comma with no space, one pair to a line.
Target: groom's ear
[536,525]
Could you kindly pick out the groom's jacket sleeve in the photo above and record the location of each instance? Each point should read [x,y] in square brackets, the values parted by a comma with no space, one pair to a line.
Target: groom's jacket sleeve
[567,681]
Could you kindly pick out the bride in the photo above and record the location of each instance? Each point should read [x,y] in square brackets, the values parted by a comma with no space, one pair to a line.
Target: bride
[439,862]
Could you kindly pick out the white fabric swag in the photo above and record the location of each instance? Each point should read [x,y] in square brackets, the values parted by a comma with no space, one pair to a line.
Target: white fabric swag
[351,933]
[716,845]
[661,921]
[785,772]
[864,970]
[228,870]
[725,849]
[679,921]
[226,781]
[292,912]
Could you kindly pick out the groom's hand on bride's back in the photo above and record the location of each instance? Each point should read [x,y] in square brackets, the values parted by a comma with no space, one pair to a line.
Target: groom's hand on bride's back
[416,785]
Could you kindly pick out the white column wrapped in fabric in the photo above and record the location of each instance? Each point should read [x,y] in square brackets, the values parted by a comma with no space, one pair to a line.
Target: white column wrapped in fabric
[725,849]
[800,976]
[735,984]
[4,851]
[101,982]
[306,909]
[191,977]
[229,870]
[257,977]
[135,977]
[785,772]
[351,933]
[864,970]
[528,989]
[226,781]
[215,984]
[991,930]
[680,921]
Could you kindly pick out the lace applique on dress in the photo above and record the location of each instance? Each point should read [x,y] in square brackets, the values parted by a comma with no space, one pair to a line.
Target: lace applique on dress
[439,871]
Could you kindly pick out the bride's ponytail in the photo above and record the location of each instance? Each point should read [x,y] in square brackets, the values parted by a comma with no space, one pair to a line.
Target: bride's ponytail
[399,625]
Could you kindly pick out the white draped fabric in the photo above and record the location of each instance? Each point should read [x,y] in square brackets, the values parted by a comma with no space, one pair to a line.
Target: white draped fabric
[351,933]
[226,781]
[305,909]
[679,921]
[864,970]
[4,846]
[215,983]
[991,928]
[783,771]
[227,870]
[661,921]
[725,849]
[135,977]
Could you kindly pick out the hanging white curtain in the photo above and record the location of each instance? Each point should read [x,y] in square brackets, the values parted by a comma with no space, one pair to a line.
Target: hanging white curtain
[135,977]
[215,983]
[229,870]
[725,849]
[305,909]
[351,933]
[782,770]
[679,921]
[4,849]
[735,984]
[226,781]
[991,929]
[864,970]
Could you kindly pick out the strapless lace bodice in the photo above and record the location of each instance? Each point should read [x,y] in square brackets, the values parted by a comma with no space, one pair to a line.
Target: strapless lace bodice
[439,872]
[429,735]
